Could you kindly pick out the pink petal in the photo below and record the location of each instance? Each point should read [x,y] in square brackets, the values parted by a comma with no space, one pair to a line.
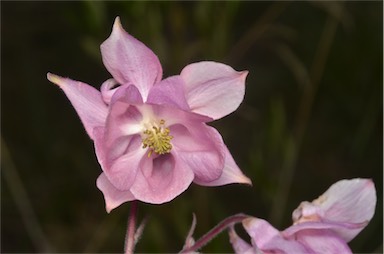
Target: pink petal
[98,134]
[239,245]
[119,145]
[161,179]
[315,225]
[323,242]
[122,172]
[269,239]
[128,94]
[347,201]
[113,197]
[85,99]
[173,115]
[169,92]
[122,145]
[197,144]
[120,159]
[213,89]
[231,173]
[201,147]
[130,61]
[108,88]
[123,122]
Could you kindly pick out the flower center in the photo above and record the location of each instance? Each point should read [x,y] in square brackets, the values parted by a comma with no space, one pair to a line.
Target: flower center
[157,139]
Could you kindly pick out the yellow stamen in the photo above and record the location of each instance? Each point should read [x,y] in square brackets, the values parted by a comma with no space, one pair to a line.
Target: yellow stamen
[158,139]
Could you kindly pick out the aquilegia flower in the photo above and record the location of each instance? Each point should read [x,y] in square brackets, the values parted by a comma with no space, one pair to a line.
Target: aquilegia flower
[150,135]
[323,226]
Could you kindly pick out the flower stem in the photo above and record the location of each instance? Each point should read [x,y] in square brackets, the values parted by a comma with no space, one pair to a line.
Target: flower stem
[130,237]
[215,231]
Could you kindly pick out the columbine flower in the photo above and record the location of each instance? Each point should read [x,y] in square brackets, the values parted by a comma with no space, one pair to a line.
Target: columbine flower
[151,137]
[323,226]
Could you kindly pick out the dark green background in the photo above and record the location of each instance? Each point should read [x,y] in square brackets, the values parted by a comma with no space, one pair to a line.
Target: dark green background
[312,115]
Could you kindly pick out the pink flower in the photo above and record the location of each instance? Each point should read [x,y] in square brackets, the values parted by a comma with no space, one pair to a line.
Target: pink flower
[323,226]
[151,137]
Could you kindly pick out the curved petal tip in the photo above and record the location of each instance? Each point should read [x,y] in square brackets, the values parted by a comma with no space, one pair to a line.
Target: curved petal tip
[112,196]
[57,80]
[243,75]
[117,24]
[245,180]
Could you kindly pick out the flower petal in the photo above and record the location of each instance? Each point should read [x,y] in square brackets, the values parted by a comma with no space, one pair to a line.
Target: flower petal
[201,147]
[316,225]
[119,158]
[122,172]
[98,134]
[231,173]
[86,100]
[161,179]
[198,145]
[128,94]
[130,61]
[175,116]
[323,241]
[122,145]
[108,88]
[113,197]
[213,89]
[169,92]
[347,201]
[269,239]
[239,245]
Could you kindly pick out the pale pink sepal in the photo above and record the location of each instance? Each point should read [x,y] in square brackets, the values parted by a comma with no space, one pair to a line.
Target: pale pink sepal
[213,89]
[239,245]
[130,61]
[316,225]
[350,201]
[86,100]
[112,196]
[231,173]
[267,238]
[169,92]
[323,241]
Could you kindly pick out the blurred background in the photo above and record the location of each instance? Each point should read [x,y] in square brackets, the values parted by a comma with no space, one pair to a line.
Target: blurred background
[312,115]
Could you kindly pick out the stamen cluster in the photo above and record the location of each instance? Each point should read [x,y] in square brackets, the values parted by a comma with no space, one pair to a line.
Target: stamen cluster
[158,139]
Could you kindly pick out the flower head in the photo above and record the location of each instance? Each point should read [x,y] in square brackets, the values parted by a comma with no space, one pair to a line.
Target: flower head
[323,226]
[151,135]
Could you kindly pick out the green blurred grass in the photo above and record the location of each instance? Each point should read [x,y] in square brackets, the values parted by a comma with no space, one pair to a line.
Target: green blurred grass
[290,156]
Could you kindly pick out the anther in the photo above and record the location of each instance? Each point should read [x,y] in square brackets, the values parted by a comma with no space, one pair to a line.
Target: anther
[157,139]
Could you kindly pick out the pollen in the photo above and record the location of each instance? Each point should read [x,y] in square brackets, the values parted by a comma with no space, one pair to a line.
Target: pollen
[157,139]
